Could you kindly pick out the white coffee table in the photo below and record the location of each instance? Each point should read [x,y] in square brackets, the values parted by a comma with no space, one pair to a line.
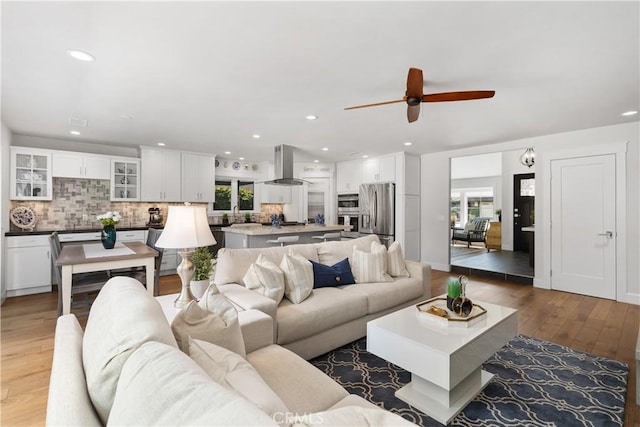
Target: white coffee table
[444,361]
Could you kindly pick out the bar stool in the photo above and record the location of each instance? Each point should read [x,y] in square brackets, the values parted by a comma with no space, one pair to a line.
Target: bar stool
[284,239]
[327,236]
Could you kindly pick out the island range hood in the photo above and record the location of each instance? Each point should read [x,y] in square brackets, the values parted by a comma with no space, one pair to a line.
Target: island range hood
[283,167]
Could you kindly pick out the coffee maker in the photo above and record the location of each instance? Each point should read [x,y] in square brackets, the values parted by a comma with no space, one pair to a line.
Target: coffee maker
[154,217]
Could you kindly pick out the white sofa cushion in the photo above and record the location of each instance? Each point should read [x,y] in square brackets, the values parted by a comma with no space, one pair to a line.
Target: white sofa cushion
[302,387]
[161,385]
[266,278]
[395,261]
[353,416]
[218,324]
[298,277]
[122,318]
[324,309]
[235,373]
[383,295]
[370,267]
[332,252]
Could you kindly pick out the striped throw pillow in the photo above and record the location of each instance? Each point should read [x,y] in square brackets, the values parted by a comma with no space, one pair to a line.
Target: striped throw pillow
[370,267]
[298,277]
[266,278]
[395,261]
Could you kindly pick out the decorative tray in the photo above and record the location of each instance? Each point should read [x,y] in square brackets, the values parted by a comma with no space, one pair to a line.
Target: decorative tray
[436,308]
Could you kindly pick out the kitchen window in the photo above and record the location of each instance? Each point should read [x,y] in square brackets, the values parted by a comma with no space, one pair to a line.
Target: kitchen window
[234,192]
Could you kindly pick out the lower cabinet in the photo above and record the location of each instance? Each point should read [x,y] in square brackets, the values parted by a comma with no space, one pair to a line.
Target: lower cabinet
[28,265]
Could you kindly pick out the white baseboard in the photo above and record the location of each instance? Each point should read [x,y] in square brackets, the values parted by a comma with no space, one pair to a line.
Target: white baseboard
[438,266]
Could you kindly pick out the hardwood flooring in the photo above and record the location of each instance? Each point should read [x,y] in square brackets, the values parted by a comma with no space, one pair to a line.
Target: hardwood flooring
[602,327]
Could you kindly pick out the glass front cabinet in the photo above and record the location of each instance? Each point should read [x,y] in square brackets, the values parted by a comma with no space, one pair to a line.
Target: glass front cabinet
[31,174]
[125,180]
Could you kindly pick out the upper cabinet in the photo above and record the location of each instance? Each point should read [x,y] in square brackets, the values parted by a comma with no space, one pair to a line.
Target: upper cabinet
[160,175]
[125,179]
[30,174]
[379,169]
[68,164]
[198,178]
[348,176]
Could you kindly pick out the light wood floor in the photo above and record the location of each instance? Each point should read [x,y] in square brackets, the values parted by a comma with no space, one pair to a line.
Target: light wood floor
[600,327]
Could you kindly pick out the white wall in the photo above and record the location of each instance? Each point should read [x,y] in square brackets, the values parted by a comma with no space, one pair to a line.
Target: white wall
[5,142]
[436,191]
[72,145]
[476,166]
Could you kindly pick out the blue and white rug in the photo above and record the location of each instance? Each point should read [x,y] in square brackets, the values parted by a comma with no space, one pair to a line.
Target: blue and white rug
[536,383]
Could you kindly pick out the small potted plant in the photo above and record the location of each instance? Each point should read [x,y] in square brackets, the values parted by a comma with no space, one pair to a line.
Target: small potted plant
[499,213]
[453,291]
[247,217]
[201,260]
[225,218]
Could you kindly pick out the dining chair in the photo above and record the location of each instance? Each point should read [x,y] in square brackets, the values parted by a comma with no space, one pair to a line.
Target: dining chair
[83,283]
[139,273]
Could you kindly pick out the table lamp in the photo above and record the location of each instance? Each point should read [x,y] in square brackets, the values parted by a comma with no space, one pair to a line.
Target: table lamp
[187,228]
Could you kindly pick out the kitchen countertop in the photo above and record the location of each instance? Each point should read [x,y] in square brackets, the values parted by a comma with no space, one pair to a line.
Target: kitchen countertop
[91,229]
[264,230]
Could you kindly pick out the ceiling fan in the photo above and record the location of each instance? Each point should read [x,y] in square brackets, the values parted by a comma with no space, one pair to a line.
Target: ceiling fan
[414,95]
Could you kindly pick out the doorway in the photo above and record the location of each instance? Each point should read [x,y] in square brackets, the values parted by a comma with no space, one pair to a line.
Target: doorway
[524,189]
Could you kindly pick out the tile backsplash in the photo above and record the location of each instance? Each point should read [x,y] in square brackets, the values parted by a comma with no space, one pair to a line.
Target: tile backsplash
[77,202]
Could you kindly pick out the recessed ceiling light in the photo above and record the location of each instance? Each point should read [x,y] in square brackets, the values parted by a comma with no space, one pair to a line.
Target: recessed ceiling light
[256,136]
[316,161]
[161,144]
[240,158]
[312,117]
[325,149]
[408,143]
[629,113]
[364,156]
[81,55]
[354,153]
[126,117]
[227,152]
[74,132]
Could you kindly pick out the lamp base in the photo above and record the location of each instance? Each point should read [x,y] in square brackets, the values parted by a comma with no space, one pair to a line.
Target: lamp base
[185,271]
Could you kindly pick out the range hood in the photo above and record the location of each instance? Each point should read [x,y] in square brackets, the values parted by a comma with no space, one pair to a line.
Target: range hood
[283,167]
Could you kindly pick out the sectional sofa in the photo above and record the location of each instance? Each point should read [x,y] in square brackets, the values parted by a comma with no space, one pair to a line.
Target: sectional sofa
[331,316]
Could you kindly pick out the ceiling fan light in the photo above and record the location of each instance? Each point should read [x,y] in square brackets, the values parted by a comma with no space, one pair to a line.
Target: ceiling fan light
[528,158]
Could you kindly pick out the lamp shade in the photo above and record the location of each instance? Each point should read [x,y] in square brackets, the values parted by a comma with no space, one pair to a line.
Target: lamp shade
[186,227]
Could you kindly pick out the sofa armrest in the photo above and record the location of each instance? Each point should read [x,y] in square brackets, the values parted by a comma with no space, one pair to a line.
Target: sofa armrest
[247,299]
[69,403]
[422,271]
[257,329]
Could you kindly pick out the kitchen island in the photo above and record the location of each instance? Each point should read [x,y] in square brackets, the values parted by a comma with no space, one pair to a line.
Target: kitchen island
[256,235]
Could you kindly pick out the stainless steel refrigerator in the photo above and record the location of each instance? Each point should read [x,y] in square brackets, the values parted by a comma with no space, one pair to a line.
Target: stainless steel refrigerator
[377,211]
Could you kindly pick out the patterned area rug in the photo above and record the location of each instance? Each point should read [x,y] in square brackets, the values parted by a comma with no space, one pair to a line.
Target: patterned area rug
[536,383]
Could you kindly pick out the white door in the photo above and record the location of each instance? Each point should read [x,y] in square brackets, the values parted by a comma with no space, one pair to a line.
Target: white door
[583,227]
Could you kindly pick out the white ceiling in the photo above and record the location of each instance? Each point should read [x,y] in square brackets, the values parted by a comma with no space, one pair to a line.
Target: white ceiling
[205,76]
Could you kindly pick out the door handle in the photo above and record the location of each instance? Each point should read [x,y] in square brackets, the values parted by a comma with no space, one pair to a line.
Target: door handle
[609,234]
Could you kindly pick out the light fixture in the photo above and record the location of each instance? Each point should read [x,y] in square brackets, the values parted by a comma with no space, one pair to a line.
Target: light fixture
[240,158]
[227,152]
[312,117]
[630,113]
[408,143]
[364,156]
[81,55]
[316,161]
[325,149]
[74,132]
[126,117]
[187,228]
[256,136]
[528,158]
[161,144]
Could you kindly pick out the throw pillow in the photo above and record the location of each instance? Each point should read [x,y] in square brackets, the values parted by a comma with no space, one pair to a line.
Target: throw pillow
[395,261]
[334,275]
[266,278]
[216,322]
[235,373]
[298,277]
[370,267]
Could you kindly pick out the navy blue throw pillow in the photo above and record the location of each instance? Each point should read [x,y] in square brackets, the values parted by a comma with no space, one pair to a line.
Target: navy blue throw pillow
[335,275]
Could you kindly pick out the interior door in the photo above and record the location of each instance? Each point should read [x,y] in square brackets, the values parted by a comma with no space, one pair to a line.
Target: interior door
[583,228]
[523,209]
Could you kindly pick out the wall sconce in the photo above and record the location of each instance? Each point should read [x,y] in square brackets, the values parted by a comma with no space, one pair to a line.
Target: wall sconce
[528,158]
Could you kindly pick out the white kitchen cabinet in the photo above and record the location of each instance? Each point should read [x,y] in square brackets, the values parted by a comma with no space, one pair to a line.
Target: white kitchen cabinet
[348,176]
[160,178]
[269,193]
[379,169]
[28,265]
[31,174]
[131,236]
[198,178]
[125,179]
[68,164]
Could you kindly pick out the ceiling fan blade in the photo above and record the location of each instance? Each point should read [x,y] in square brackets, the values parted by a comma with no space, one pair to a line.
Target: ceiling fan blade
[376,104]
[415,83]
[458,96]
[413,112]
